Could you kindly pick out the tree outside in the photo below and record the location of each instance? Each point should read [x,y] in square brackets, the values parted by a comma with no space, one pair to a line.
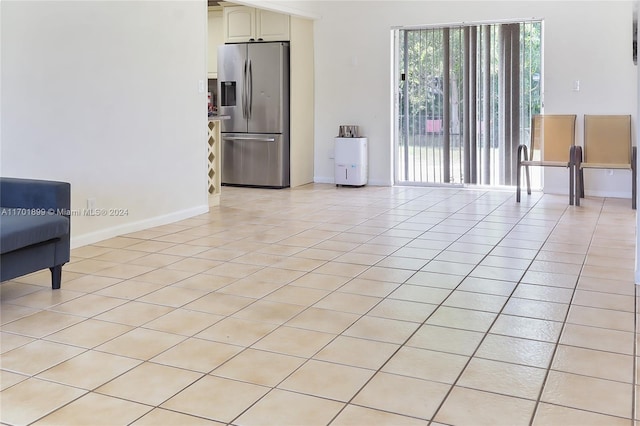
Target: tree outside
[421,90]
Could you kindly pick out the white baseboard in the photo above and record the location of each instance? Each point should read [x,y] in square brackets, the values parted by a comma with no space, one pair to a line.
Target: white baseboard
[376,182]
[115,231]
[608,194]
[324,179]
[332,180]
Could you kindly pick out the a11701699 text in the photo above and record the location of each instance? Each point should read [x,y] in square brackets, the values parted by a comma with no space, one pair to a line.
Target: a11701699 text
[21,211]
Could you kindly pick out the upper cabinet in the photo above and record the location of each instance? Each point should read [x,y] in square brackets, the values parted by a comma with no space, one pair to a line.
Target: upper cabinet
[214,39]
[243,24]
[272,26]
[239,24]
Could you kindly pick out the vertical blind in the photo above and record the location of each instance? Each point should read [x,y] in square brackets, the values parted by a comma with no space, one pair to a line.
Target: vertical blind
[465,96]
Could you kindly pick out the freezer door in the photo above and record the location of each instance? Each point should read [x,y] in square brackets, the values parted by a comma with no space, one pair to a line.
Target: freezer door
[268,87]
[232,84]
[255,160]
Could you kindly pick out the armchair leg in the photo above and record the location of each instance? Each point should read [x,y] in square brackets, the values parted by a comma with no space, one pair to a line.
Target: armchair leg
[528,178]
[56,276]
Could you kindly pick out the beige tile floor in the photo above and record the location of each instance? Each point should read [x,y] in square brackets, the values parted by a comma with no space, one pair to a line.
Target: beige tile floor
[342,306]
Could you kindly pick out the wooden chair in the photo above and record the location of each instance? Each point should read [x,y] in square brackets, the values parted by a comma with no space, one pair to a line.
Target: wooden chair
[552,145]
[607,145]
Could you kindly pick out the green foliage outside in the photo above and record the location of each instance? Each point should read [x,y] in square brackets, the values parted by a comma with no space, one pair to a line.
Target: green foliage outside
[423,71]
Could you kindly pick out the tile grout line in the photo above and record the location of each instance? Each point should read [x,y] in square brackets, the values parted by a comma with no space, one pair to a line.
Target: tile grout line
[471,357]
[515,224]
[431,314]
[149,361]
[360,317]
[441,304]
[338,335]
[564,322]
[278,327]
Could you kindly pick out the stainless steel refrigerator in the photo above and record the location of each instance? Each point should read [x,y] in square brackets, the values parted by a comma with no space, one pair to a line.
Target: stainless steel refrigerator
[253,90]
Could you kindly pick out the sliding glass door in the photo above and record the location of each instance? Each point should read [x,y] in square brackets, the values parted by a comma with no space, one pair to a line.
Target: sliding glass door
[464,100]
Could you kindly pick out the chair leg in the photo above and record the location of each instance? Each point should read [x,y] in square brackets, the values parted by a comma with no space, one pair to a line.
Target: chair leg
[523,155]
[634,177]
[578,186]
[522,150]
[572,157]
[572,184]
[518,173]
[577,169]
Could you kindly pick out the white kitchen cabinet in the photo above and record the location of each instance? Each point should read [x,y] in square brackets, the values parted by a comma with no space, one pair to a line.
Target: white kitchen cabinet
[244,24]
[214,39]
[272,26]
[239,24]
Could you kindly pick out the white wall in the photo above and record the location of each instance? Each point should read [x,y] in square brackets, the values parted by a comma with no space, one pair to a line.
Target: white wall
[105,95]
[586,41]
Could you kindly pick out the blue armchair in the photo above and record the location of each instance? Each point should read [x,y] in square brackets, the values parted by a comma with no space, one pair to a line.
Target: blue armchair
[35,223]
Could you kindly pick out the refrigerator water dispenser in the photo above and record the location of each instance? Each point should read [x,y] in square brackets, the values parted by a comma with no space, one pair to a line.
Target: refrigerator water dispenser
[228,95]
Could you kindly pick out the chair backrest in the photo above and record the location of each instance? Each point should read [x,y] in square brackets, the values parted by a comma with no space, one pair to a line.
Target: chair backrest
[552,136]
[607,139]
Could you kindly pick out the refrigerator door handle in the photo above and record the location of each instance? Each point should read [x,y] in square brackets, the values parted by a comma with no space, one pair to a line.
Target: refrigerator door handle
[244,91]
[250,94]
[248,138]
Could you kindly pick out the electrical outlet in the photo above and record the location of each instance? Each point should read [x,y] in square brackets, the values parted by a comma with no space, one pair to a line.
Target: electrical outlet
[91,203]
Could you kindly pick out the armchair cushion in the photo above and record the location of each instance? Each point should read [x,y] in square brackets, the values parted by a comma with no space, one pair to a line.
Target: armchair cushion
[18,231]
